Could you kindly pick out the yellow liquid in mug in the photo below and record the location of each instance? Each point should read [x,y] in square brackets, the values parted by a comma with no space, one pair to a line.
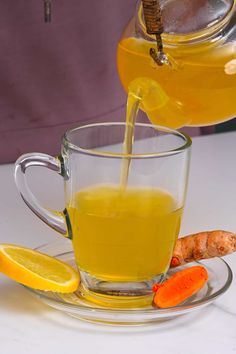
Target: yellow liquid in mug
[124,235]
[199,91]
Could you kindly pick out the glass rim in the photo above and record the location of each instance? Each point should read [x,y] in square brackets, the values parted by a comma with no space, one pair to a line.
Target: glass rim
[187,142]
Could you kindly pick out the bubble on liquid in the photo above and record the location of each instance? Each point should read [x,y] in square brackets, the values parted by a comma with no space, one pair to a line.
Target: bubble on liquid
[186,16]
[230,67]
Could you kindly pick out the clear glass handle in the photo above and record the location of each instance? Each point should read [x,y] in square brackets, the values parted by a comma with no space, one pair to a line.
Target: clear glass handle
[55,219]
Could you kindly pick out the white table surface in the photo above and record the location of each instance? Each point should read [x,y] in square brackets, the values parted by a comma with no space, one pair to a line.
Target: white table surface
[28,326]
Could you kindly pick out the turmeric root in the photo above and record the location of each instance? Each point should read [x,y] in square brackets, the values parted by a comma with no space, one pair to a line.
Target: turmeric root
[180,286]
[203,245]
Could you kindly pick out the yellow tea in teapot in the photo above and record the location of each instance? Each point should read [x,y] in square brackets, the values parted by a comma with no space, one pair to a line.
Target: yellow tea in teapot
[124,235]
[199,91]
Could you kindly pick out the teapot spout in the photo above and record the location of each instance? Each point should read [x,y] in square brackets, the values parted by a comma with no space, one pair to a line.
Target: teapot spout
[161,108]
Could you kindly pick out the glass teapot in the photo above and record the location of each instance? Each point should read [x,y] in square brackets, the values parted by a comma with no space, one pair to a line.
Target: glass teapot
[196,85]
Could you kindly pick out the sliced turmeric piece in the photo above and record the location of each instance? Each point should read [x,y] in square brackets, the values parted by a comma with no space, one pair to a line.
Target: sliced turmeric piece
[180,286]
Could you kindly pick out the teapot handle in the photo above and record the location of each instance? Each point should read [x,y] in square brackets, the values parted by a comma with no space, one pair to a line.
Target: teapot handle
[58,220]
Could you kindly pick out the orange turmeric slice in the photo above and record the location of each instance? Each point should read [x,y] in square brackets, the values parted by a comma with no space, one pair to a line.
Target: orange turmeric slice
[180,286]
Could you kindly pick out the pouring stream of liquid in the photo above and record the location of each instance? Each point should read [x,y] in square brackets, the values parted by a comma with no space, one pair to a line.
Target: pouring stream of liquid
[133,104]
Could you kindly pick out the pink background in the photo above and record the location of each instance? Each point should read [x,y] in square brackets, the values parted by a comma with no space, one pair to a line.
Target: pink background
[55,76]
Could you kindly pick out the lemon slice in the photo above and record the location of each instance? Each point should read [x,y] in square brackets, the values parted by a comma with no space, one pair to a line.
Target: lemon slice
[37,270]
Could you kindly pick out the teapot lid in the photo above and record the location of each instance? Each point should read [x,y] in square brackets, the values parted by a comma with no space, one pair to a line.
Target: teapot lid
[182,17]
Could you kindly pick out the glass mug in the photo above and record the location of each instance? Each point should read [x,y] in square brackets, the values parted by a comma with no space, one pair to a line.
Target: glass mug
[123,236]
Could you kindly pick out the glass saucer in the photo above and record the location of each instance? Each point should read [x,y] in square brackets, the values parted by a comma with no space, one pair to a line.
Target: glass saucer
[220,278]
